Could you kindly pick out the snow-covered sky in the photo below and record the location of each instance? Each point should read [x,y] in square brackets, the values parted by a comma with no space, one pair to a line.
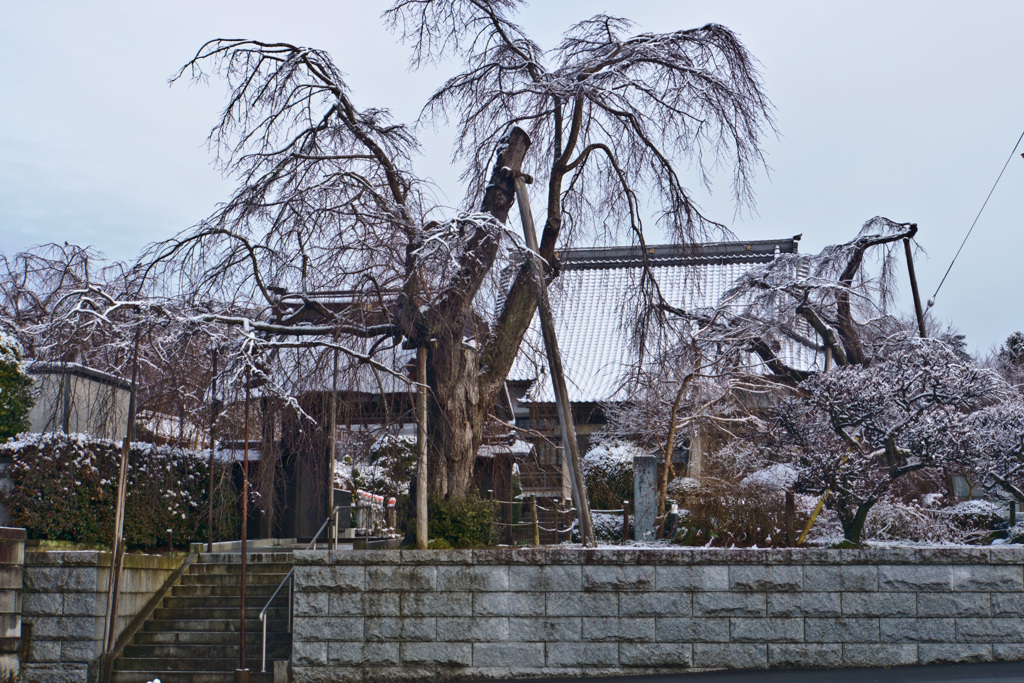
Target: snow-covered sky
[906,109]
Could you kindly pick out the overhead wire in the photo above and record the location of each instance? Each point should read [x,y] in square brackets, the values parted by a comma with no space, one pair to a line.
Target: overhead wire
[931,302]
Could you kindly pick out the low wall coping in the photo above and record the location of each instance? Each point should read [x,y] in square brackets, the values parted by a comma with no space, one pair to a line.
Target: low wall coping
[99,558]
[996,555]
[10,533]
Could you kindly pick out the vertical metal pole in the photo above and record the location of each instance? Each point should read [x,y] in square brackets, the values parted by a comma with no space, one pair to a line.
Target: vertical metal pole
[333,451]
[214,409]
[547,324]
[245,522]
[422,530]
[913,287]
[536,523]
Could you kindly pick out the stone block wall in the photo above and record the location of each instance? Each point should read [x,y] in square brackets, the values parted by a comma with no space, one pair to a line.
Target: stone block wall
[383,615]
[65,604]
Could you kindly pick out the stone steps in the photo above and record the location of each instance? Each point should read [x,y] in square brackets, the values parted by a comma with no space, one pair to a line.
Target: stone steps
[192,637]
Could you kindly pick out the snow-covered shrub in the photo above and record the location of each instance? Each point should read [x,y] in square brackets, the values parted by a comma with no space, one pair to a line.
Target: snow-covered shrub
[15,389]
[608,526]
[897,521]
[390,465]
[65,488]
[680,487]
[976,519]
[724,513]
[608,471]
[779,476]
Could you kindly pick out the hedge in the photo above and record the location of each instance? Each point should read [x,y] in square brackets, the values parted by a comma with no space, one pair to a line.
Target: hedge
[65,489]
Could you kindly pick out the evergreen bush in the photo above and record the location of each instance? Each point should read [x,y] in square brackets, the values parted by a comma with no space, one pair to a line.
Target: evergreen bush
[463,522]
[65,489]
[15,389]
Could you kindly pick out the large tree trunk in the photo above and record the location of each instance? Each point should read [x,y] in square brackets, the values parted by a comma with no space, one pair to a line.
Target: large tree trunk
[852,519]
[456,408]
[455,423]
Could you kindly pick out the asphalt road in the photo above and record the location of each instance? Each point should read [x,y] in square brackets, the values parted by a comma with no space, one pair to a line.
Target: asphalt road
[1003,672]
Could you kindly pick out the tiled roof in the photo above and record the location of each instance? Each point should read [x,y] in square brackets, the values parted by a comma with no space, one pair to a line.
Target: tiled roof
[596,290]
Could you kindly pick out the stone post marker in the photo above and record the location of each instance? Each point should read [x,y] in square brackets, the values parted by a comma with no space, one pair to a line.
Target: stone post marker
[645,497]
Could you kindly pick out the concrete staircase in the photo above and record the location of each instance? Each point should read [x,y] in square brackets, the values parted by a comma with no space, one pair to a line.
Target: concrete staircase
[192,637]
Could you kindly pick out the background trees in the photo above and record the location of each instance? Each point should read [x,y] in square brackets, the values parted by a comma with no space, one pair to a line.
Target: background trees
[854,431]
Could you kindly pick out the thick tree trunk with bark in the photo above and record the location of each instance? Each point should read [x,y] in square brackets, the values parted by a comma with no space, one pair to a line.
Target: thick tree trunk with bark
[458,407]
[852,519]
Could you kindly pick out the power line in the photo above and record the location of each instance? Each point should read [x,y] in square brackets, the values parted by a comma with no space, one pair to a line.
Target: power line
[931,302]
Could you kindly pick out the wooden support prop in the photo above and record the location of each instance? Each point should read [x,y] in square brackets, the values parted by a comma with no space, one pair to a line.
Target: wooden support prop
[117,544]
[547,324]
[625,520]
[422,530]
[790,518]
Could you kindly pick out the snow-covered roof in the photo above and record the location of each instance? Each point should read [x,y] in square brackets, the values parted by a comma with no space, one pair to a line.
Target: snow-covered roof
[517,448]
[591,299]
[77,369]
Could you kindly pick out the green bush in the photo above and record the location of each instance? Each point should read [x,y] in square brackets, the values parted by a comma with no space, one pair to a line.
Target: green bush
[463,522]
[15,389]
[65,489]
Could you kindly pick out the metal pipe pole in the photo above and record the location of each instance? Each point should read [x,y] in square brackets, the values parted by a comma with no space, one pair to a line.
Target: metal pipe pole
[245,520]
[913,288]
[332,452]
[214,409]
[422,530]
[547,325]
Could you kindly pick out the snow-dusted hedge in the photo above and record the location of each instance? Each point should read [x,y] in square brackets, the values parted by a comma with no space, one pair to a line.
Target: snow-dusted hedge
[65,488]
[15,388]
[608,471]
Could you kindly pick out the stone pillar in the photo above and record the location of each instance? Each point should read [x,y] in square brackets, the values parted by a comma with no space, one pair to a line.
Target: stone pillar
[645,497]
[12,563]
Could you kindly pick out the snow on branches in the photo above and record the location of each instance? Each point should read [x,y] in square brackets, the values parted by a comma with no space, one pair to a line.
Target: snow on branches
[855,430]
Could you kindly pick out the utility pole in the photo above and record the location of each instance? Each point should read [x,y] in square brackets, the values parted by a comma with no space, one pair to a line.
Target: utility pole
[547,324]
[913,287]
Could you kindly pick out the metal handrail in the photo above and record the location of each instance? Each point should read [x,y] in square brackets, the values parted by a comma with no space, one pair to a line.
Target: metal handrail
[289,579]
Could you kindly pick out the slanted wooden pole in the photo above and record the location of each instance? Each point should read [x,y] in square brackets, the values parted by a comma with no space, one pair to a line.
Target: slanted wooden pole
[913,288]
[422,531]
[117,545]
[547,325]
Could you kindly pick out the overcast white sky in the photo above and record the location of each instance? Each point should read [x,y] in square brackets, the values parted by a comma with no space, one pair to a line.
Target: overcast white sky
[902,109]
